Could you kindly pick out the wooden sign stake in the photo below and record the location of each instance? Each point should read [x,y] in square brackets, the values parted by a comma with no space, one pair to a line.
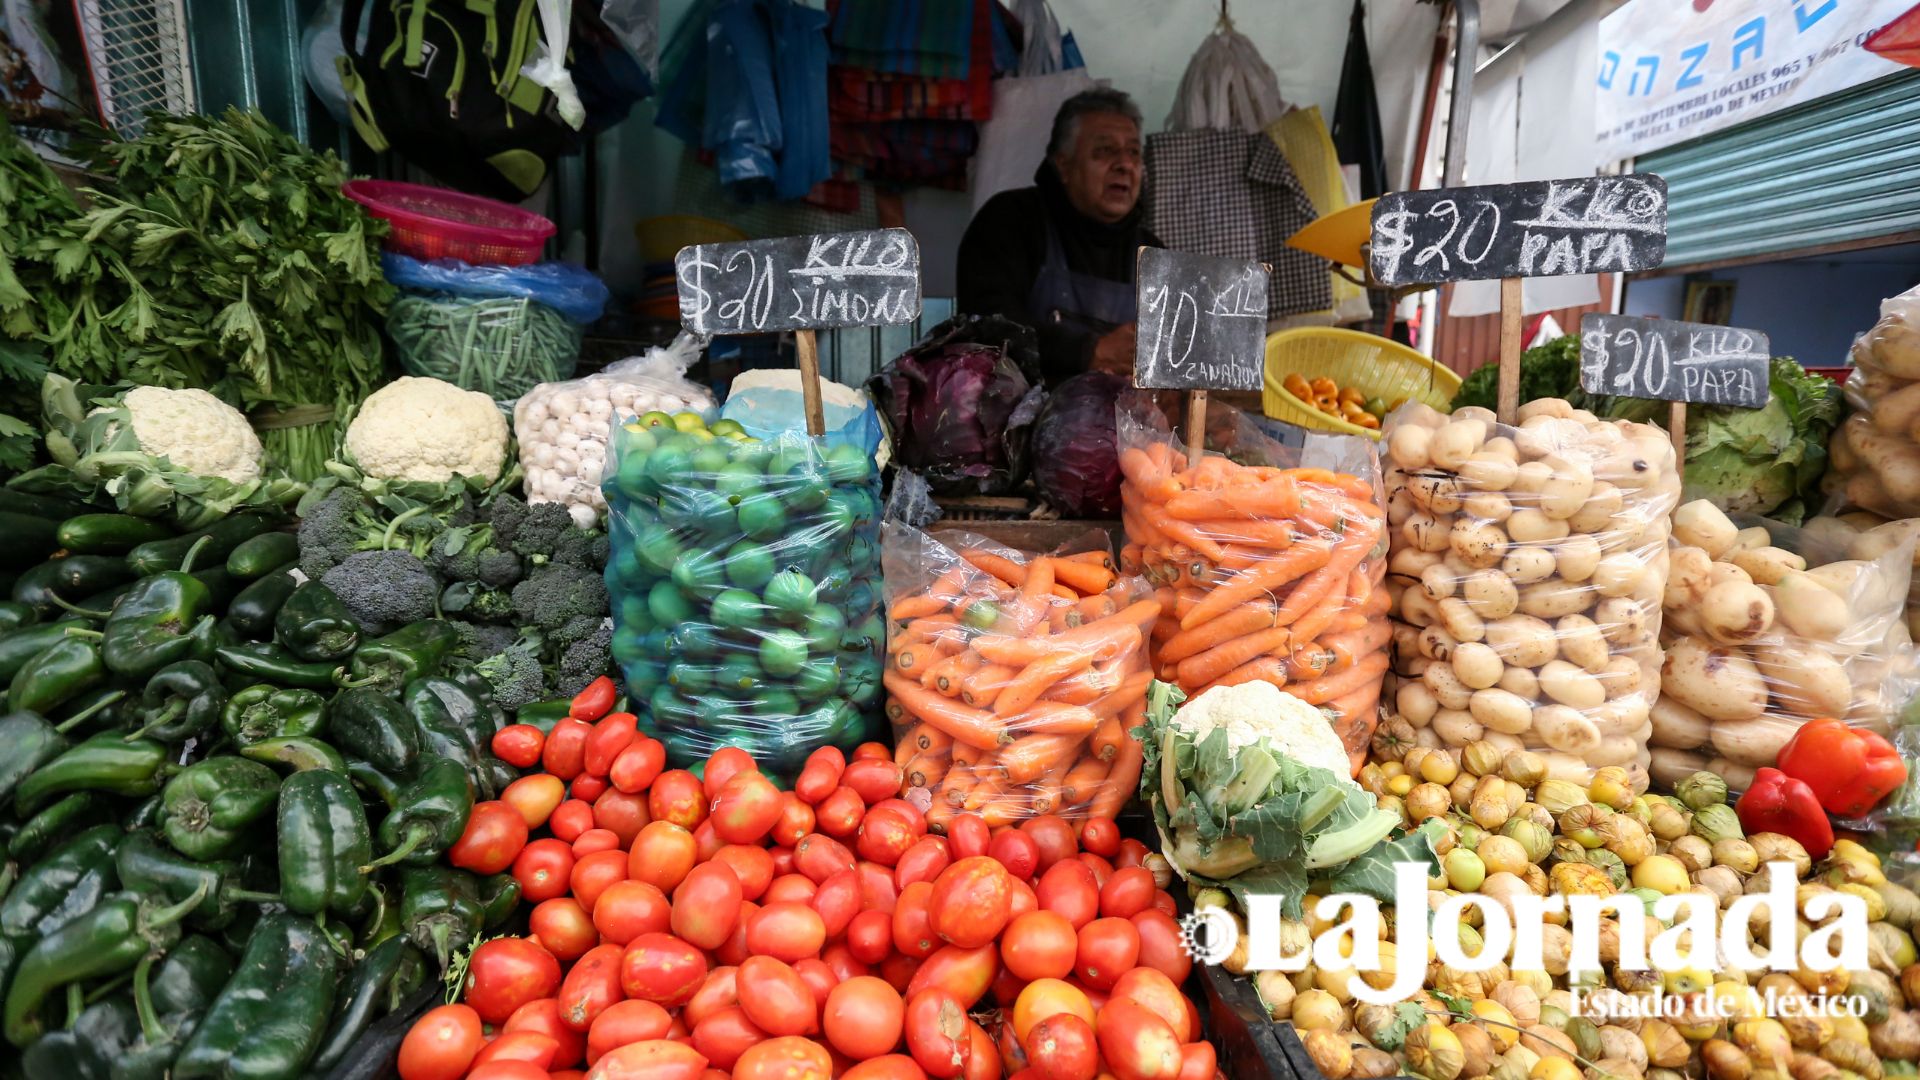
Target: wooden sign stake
[809,350]
[1196,427]
[1677,428]
[1510,330]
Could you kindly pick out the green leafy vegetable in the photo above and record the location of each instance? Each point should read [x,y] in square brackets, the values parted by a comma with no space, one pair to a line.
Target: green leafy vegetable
[1551,370]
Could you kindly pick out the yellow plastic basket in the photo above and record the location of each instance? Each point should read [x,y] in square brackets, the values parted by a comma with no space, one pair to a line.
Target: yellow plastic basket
[1377,366]
[661,238]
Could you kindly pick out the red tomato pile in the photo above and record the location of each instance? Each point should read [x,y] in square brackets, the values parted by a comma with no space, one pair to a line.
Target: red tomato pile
[718,928]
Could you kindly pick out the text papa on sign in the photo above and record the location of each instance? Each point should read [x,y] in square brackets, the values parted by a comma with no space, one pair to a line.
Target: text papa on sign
[1587,225]
[1668,360]
[800,283]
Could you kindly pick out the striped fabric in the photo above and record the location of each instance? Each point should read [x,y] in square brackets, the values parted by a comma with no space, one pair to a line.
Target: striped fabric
[932,38]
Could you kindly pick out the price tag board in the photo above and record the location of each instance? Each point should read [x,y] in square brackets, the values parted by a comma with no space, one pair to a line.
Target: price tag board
[818,282]
[1588,225]
[1202,322]
[1665,360]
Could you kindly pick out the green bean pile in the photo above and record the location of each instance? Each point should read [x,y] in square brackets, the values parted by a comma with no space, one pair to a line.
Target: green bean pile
[502,347]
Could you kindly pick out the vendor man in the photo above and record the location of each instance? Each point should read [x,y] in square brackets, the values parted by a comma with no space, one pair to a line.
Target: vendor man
[1060,256]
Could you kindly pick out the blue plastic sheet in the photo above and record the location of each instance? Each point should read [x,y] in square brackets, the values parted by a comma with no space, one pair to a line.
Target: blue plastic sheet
[571,290]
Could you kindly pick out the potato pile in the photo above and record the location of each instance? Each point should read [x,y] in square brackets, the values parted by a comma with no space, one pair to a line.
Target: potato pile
[1875,455]
[1528,567]
[1757,643]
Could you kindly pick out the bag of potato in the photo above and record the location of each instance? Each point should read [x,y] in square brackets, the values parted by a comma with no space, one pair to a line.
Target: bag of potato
[1528,565]
[1769,626]
[1875,455]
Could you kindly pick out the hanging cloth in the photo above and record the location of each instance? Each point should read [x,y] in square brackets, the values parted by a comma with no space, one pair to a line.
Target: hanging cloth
[1302,138]
[1356,111]
[1227,86]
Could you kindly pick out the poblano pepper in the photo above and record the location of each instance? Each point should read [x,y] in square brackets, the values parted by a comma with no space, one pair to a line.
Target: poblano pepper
[252,612]
[62,671]
[270,1017]
[315,625]
[388,663]
[263,712]
[183,701]
[440,909]
[265,660]
[374,727]
[297,752]
[499,899]
[66,884]
[89,1049]
[169,1002]
[145,865]
[59,820]
[106,762]
[374,781]
[164,618]
[31,742]
[389,972]
[108,940]
[19,646]
[428,817]
[211,807]
[323,842]
[450,722]
[14,615]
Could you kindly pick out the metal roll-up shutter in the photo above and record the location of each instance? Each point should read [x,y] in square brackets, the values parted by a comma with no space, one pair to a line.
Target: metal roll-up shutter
[1841,170]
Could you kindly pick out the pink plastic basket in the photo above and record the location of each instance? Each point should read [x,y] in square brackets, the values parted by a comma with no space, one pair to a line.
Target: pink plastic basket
[435,223]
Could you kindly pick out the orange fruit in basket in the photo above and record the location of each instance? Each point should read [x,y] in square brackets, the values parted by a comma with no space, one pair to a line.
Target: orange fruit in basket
[1325,387]
[1296,384]
[1352,395]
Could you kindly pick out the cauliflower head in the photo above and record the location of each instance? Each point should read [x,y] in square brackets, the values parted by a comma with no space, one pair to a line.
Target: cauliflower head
[196,431]
[428,430]
[1256,711]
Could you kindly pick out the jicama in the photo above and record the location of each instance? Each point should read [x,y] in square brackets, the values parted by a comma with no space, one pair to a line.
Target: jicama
[1014,680]
[1268,572]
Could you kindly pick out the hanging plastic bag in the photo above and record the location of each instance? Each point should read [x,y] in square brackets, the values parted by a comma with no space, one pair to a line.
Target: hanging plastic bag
[1227,86]
[1875,454]
[637,24]
[548,67]
[1014,142]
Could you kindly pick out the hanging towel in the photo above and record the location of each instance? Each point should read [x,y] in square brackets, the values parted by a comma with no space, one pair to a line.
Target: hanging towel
[1302,138]
[1231,194]
[1356,111]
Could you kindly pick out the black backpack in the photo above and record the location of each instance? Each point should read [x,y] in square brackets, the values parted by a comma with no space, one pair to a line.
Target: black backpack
[439,83]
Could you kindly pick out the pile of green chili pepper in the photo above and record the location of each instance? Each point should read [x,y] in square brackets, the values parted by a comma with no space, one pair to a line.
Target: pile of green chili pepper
[223,810]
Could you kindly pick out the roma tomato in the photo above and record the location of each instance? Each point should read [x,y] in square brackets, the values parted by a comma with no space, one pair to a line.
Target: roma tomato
[661,855]
[752,865]
[587,787]
[820,775]
[876,887]
[819,977]
[1021,899]
[746,809]
[1160,946]
[837,957]
[542,868]
[655,1059]
[1136,1044]
[593,873]
[839,814]
[734,949]
[1198,1061]
[1100,836]
[871,751]
[535,797]
[1039,945]
[1157,994]
[593,701]
[717,991]
[1102,869]
[1062,1047]
[725,1035]
[441,1045]
[1108,949]
[776,998]
[677,796]
[788,1058]
[628,909]
[1007,985]
[614,733]
[936,1031]
[885,835]
[519,745]
[782,860]
[898,970]
[570,819]
[796,820]
[634,770]
[508,1070]
[625,1022]
[706,842]
[563,928]
[970,902]
[889,1067]
[873,779]
[914,815]
[723,765]
[1053,836]
[543,1016]
[789,888]
[1132,853]
[565,753]
[592,984]
[968,835]
[983,1057]
[1127,893]
[820,857]
[1048,997]
[965,973]
[622,814]
[531,1047]
[707,905]
[495,834]
[789,932]
[870,936]
[506,973]
[1017,851]
[912,922]
[837,900]
[661,968]
[596,840]
[922,862]
[863,1018]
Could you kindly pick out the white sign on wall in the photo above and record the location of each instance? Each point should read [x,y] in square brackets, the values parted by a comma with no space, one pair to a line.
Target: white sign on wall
[1673,70]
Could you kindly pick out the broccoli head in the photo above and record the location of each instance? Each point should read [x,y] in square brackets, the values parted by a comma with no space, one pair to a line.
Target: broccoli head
[554,595]
[472,601]
[583,548]
[585,661]
[515,674]
[477,641]
[578,628]
[333,529]
[532,530]
[384,590]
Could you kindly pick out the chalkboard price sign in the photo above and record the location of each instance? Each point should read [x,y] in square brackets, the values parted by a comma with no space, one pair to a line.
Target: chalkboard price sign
[1587,225]
[1202,324]
[800,283]
[1673,361]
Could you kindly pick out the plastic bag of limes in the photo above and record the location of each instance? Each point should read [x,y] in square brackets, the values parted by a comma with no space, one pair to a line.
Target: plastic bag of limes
[745,580]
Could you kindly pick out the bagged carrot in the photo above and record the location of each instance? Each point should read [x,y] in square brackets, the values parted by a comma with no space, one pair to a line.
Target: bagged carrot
[1269,561]
[1014,679]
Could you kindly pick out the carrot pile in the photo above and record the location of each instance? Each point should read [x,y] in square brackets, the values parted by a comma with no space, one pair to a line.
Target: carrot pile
[1262,573]
[1013,681]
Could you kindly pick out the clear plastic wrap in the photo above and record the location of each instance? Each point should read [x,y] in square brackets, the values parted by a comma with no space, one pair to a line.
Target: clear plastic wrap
[744,580]
[1529,564]
[562,426]
[1875,455]
[1013,680]
[1769,626]
[1268,561]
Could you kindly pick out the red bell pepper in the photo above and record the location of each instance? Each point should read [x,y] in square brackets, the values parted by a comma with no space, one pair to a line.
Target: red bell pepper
[1778,803]
[1850,770]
